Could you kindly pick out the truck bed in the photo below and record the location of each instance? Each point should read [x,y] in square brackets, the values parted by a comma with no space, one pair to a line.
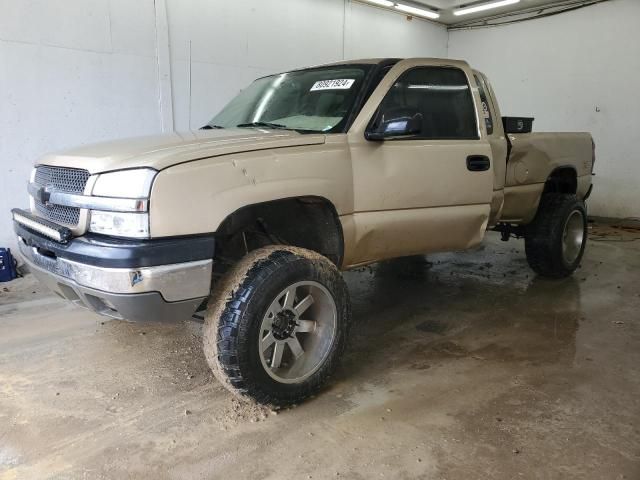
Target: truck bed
[532,159]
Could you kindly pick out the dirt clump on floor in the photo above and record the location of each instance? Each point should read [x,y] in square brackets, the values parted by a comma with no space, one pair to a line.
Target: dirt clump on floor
[22,289]
[239,411]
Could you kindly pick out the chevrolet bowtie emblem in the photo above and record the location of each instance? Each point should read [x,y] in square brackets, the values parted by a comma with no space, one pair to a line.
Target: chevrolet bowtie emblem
[42,195]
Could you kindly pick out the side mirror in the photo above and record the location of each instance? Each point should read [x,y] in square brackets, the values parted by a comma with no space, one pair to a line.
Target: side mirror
[398,122]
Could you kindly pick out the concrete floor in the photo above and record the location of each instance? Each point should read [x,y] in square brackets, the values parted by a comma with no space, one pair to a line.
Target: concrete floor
[462,366]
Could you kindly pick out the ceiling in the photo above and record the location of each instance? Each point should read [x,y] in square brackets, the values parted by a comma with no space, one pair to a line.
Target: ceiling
[446,7]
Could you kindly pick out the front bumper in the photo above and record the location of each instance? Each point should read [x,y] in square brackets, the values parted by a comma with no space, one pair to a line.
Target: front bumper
[146,281]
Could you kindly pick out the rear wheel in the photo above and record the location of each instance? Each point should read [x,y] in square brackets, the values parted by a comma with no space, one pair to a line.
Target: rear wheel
[277,325]
[556,239]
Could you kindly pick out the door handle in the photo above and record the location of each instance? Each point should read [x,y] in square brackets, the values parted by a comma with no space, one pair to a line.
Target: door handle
[478,163]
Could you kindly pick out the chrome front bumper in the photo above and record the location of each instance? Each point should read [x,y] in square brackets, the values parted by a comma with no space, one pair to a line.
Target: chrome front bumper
[175,283]
[151,294]
[149,281]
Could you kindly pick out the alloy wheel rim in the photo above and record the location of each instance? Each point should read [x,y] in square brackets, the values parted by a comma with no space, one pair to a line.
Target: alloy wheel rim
[573,236]
[297,332]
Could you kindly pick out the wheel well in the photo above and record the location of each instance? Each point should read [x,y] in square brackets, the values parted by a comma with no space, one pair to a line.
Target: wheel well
[562,180]
[306,222]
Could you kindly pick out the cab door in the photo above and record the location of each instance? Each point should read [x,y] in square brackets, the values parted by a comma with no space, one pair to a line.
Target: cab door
[427,191]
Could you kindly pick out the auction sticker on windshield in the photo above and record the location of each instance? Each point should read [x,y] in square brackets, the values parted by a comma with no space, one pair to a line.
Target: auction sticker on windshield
[340,84]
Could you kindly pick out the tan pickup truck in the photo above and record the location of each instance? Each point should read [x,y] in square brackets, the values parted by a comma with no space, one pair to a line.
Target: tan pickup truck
[302,175]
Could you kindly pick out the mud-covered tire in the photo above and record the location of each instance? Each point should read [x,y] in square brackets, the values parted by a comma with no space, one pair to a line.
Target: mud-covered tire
[556,239]
[241,306]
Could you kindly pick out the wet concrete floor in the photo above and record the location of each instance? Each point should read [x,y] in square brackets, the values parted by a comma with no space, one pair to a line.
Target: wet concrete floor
[462,366]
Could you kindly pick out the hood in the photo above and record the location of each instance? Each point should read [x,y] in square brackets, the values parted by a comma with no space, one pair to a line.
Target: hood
[162,151]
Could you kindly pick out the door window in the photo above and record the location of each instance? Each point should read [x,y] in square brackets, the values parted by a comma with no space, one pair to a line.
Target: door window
[439,96]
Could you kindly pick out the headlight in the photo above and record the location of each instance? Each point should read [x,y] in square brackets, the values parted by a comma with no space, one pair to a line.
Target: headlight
[110,217]
[134,183]
[129,225]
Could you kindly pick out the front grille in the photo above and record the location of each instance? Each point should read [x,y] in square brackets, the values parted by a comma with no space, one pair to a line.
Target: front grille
[70,180]
[59,213]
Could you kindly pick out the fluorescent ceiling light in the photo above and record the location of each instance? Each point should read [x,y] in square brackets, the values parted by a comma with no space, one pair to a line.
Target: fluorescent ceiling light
[421,12]
[382,3]
[484,6]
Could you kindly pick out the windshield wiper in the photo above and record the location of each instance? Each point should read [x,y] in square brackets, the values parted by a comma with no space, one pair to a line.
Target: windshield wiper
[264,124]
[211,127]
[276,126]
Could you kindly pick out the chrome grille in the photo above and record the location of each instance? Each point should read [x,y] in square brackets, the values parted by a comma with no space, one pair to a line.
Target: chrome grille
[59,213]
[71,180]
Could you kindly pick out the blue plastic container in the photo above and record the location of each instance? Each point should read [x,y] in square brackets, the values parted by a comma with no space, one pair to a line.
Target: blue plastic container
[7,265]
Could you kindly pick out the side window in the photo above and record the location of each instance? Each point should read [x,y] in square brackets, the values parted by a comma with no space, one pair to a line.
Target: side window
[486,109]
[440,97]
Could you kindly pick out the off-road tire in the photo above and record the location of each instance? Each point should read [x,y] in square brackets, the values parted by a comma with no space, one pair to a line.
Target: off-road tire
[237,308]
[545,235]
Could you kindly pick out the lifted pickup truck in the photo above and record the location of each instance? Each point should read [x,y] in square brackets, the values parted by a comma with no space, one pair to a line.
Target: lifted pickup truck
[302,175]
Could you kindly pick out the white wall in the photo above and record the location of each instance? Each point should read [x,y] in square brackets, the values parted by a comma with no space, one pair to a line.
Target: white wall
[561,68]
[232,43]
[373,33]
[71,72]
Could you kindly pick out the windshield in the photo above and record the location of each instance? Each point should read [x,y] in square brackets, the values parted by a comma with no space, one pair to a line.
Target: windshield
[313,100]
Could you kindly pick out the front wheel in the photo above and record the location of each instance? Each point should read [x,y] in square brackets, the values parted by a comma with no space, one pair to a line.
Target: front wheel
[556,239]
[277,325]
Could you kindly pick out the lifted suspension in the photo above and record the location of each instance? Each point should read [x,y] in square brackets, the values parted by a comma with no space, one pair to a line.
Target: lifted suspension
[508,230]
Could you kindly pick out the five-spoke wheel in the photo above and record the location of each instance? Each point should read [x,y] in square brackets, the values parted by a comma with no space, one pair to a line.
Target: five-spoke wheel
[276,336]
[297,331]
